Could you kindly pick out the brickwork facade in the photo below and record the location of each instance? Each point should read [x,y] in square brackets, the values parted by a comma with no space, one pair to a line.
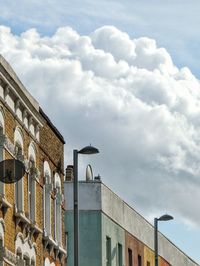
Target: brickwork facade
[31,210]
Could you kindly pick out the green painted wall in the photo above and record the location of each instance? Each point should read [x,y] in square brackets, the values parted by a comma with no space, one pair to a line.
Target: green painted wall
[117,235]
[89,238]
[94,227]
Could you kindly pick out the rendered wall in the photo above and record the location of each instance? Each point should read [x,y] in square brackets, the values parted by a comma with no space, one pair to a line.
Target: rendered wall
[149,256]
[89,238]
[137,249]
[117,235]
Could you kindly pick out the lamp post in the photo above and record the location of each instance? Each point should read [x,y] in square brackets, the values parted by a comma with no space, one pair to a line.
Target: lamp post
[86,150]
[164,217]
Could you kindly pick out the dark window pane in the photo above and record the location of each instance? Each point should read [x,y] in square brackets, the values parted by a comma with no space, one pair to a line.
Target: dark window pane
[130,257]
[139,260]
[108,251]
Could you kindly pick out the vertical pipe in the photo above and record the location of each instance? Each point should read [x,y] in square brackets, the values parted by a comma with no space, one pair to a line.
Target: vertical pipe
[76,231]
[156,240]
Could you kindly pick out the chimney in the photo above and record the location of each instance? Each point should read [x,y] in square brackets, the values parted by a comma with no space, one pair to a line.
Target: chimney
[69,173]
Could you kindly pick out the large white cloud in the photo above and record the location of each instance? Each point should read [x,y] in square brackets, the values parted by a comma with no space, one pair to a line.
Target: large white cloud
[127,97]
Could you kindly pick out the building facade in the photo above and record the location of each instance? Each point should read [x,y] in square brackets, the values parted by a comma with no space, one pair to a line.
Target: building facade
[111,233]
[31,210]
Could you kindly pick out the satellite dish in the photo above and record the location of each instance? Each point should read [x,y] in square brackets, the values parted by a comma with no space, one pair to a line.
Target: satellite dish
[89,173]
[11,171]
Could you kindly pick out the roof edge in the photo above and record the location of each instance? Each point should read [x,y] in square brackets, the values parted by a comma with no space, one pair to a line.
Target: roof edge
[55,130]
[15,78]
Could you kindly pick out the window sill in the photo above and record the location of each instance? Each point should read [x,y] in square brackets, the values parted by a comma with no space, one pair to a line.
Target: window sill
[21,218]
[60,252]
[48,241]
[35,229]
[53,245]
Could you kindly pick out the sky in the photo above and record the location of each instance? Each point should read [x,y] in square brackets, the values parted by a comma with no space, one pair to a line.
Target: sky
[124,77]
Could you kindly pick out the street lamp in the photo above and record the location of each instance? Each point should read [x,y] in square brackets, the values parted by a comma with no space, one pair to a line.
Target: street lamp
[86,150]
[164,217]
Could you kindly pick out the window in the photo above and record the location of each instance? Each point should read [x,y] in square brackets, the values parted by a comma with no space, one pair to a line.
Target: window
[130,257]
[19,256]
[119,252]
[19,186]
[26,260]
[148,263]
[58,215]
[31,189]
[139,260]
[47,198]
[32,181]
[108,251]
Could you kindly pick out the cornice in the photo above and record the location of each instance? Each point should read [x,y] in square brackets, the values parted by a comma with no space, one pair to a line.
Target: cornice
[21,99]
[11,84]
[12,77]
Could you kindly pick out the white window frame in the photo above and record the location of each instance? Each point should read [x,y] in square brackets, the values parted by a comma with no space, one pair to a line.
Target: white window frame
[19,186]
[47,199]
[58,210]
[32,182]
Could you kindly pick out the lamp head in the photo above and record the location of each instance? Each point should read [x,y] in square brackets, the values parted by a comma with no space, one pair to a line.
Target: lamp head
[89,150]
[165,217]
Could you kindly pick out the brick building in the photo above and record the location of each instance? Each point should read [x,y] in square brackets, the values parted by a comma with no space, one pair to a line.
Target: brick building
[31,210]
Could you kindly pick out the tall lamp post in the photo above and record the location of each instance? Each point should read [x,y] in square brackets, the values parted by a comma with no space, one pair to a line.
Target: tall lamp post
[86,150]
[164,217]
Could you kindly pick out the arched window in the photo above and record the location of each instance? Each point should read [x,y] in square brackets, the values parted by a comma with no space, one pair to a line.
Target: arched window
[19,256]
[32,181]
[47,199]
[2,187]
[58,215]
[19,186]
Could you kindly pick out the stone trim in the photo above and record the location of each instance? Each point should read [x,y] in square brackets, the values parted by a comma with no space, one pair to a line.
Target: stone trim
[20,93]
[19,121]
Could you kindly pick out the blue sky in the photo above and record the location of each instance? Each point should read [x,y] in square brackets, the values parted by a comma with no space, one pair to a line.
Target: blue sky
[174,25]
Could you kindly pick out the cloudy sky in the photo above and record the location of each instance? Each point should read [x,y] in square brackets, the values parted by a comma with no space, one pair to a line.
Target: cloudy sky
[124,77]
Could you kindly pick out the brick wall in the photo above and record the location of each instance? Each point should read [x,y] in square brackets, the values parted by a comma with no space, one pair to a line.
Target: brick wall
[50,148]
